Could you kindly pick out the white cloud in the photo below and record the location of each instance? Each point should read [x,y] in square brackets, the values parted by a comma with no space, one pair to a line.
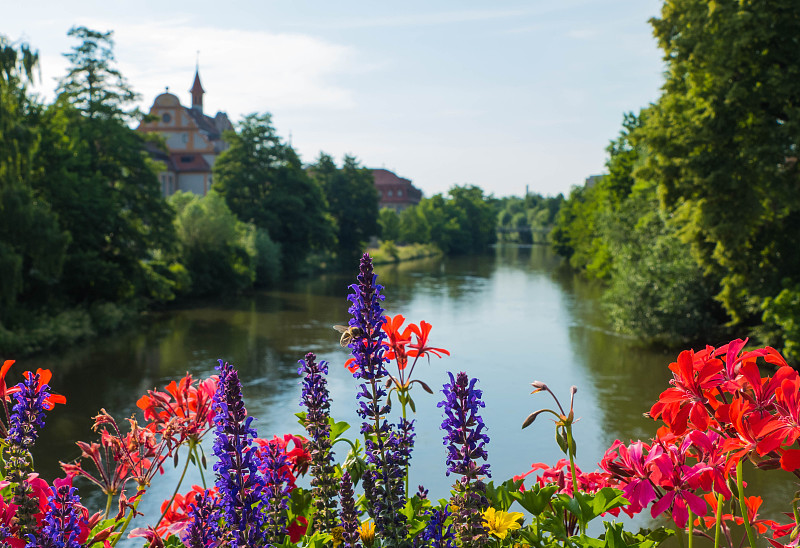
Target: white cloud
[242,71]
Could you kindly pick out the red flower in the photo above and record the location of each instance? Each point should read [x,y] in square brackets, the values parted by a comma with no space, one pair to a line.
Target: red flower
[694,375]
[297,529]
[185,411]
[420,347]
[177,515]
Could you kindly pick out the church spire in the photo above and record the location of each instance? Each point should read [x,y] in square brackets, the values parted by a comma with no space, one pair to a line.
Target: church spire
[197,90]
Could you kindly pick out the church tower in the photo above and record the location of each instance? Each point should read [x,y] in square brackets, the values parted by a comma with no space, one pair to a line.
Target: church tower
[197,92]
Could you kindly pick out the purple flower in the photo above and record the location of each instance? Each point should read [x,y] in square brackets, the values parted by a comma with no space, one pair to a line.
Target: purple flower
[466,443]
[238,481]
[27,415]
[316,400]
[435,534]
[463,426]
[350,525]
[387,449]
[276,468]
[62,520]
[203,530]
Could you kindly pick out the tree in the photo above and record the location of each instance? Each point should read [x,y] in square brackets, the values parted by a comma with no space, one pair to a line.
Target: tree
[724,139]
[352,202]
[102,183]
[263,182]
[219,250]
[32,243]
[389,222]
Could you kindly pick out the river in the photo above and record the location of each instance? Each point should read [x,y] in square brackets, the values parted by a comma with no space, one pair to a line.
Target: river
[509,317]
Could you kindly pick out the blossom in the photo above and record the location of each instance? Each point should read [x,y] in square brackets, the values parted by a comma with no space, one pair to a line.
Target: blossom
[466,444]
[316,399]
[238,481]
[27,415]
[500,523]
[367,533]
[65,521]
[178,514]
[436,534]
[349,519]
[463,426]
[184,410]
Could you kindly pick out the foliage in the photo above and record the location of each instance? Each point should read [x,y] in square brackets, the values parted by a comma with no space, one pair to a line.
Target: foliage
[32,242]
[527,220]
[264,183]
[99,178]
[219,250]
[352,203]
[389,222]
[389,252]
[463,222]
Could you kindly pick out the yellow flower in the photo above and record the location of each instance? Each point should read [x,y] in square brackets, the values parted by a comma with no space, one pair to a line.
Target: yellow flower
[337,536]
[367,532]
[499,523]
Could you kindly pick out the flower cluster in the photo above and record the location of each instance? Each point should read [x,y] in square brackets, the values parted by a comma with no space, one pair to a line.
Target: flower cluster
[316,400]
[240,486]
[718,412]
[466,445]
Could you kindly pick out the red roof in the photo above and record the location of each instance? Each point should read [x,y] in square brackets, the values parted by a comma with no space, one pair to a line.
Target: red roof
[184,162]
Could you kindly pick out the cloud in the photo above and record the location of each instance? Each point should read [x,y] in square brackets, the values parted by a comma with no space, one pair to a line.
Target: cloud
[242,71]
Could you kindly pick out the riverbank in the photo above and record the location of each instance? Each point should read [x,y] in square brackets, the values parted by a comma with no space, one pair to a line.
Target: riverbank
[54,331]
[390,253]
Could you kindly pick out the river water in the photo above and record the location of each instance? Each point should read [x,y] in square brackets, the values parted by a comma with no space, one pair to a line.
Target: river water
[509,317]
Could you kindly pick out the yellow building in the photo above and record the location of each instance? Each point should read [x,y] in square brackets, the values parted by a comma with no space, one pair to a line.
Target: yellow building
[194,140]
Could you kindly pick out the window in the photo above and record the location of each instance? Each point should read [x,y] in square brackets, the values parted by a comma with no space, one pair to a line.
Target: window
[389,193]
[166,118]
[399,193]
[185,137]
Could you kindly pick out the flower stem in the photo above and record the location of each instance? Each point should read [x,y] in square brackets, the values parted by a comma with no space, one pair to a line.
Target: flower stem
[743,506]
[573,470]
[718,526]
[177,487]
[199,465]
[129,517]
[690,528]
[109,499]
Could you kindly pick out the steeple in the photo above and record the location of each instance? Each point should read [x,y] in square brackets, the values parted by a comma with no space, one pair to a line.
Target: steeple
[197,90]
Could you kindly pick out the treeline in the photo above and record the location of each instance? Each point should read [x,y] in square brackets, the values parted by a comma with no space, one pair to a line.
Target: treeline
[528,220]
[696,227]
[86,238]
[460,222]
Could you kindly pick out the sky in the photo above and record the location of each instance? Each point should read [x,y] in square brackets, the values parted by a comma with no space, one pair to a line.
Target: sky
[503,94]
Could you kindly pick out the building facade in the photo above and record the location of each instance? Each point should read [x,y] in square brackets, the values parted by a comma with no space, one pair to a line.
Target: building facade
[194,140]
[395,192]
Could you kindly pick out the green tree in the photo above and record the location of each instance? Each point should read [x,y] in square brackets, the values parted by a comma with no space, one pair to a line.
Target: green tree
[264,183]
[724,140]
[101,182]
[352,203]
[218,249]
[32,243]
[389,222]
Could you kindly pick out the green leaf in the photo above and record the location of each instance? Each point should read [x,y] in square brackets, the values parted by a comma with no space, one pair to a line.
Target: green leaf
[502,496]
[535,499]
[561,441]
[337,428]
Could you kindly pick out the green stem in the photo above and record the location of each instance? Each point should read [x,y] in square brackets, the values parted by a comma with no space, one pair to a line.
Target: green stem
[108,505]
[690,528]
[129,517]
[403,402]
[718,529]
[199,465]
[573,470]
[177,487]
[743,505]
